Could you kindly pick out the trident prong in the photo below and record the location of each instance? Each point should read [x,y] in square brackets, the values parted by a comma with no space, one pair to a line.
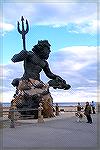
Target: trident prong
[23,31]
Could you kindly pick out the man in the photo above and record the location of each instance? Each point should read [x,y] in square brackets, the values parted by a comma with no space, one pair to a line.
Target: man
[93,107]
[88,112]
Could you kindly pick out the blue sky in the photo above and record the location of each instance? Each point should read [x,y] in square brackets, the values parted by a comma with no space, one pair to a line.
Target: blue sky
[71,29]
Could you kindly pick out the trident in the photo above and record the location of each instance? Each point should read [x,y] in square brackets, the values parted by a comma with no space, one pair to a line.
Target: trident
[23,32]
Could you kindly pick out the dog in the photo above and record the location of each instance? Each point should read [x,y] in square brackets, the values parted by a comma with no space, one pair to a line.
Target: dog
[79,116]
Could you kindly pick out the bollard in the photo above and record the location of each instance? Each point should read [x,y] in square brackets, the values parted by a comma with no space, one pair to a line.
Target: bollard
[40,116]
[12,124]
[57,109]
[13,108]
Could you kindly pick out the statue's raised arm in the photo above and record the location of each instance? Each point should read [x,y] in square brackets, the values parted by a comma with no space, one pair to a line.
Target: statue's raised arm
[20,56]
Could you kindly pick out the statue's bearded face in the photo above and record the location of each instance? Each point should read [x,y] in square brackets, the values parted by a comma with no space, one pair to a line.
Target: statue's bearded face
[44,54]
[42,50]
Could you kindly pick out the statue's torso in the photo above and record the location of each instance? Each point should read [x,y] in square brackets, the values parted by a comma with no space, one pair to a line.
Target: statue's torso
[33,65]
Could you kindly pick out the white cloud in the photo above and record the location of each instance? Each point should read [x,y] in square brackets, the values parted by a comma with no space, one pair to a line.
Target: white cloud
[78,17]
[77,57]
[5,27]
[80,51]
[90,27]
[78,66]
[7,96]
[92,81]
[9,70]
[80,95]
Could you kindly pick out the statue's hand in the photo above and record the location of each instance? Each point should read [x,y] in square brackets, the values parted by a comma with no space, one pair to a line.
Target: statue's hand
[59,83]
[59,79]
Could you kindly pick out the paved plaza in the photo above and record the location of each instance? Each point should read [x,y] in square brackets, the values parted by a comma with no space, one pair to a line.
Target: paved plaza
[60,132]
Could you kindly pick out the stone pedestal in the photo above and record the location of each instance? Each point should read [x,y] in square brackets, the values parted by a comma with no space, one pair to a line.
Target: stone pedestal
[30,94]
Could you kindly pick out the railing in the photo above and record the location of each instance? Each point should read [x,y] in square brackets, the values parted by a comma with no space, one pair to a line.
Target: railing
[15,115]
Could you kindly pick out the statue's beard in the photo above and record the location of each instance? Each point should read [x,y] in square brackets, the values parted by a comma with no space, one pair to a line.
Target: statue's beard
[43,56]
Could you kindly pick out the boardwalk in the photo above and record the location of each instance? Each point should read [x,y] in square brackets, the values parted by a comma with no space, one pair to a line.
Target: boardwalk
[60,132]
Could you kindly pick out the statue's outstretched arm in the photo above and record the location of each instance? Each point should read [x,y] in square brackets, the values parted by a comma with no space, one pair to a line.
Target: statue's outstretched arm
[20,56]
[57,81]
[49,74]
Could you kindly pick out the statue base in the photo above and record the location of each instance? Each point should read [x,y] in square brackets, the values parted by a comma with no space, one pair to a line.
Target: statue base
[30,94]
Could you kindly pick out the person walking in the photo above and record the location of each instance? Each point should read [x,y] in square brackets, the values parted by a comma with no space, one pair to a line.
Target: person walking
[79,114]
[93,107]
[87,112]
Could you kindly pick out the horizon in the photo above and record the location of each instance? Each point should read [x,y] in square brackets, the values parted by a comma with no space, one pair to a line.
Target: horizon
[53,102]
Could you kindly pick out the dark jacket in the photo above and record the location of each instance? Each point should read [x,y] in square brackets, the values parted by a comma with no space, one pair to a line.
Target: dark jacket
[87,110]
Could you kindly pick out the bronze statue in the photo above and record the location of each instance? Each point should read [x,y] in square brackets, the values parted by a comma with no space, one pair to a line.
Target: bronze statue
[34,62]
